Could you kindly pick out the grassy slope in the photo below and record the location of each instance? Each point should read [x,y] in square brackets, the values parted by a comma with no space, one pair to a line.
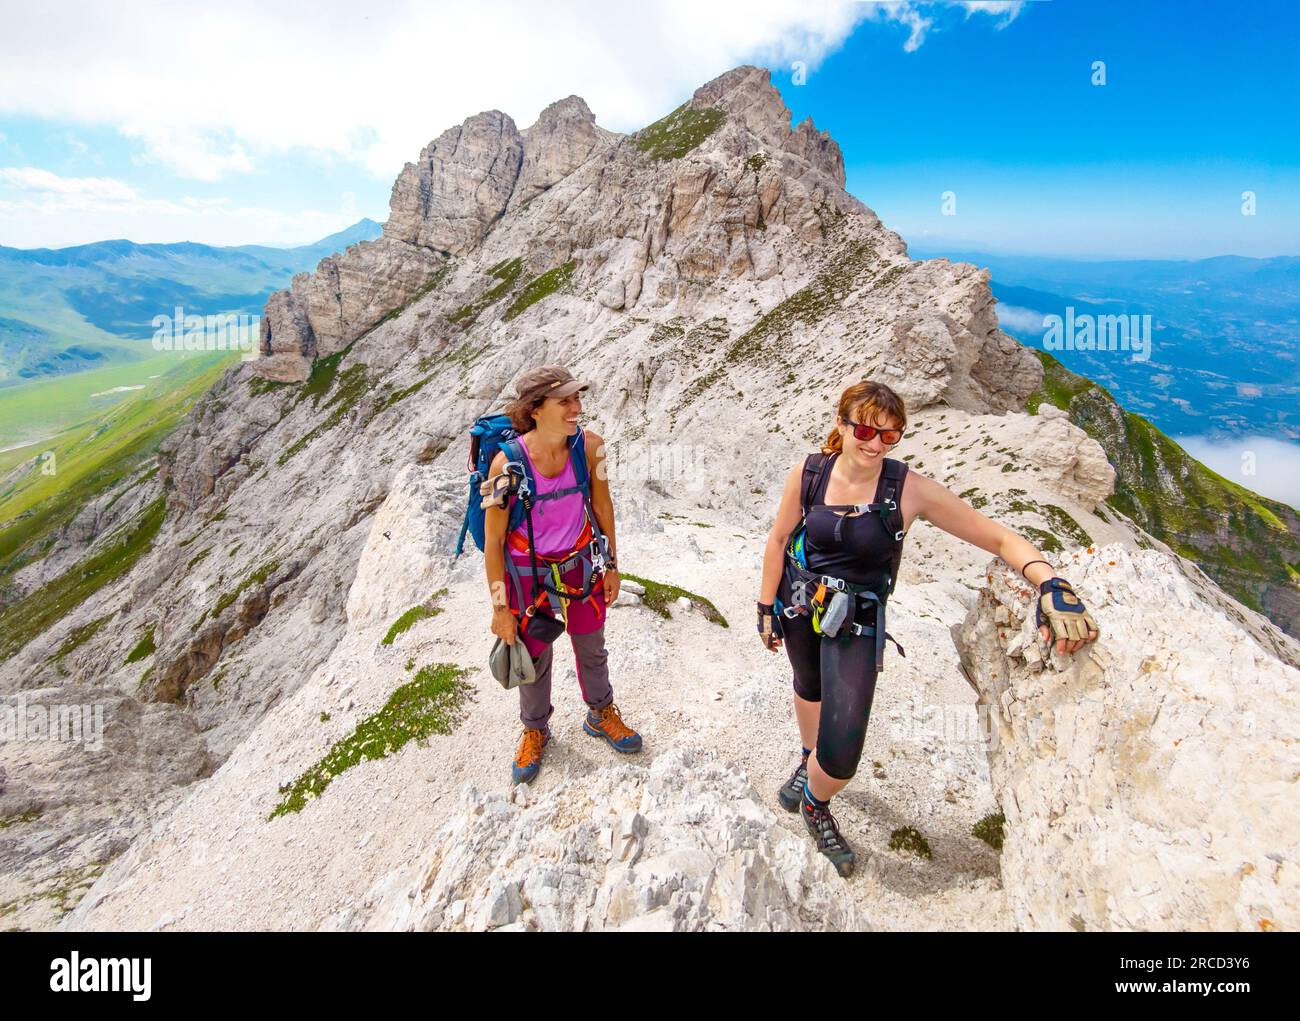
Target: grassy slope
[1247,543]
[46,407]
[95,455]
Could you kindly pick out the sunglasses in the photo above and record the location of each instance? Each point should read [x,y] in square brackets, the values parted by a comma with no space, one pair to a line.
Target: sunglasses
[889,437]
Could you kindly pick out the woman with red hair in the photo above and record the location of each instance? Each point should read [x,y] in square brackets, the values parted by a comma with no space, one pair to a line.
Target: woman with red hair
[828,569]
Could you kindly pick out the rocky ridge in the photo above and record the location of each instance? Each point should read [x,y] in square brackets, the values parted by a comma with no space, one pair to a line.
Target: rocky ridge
[718,286]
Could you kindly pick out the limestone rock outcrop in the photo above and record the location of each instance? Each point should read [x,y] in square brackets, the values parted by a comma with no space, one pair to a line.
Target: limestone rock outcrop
[684,844]
[1151,783]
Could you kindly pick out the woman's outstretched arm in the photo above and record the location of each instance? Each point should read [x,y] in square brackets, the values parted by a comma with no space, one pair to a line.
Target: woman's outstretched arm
[944,509]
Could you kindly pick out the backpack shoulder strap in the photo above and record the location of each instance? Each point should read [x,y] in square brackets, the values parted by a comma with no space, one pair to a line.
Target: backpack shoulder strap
[892,489]
[578,455]
[814,466]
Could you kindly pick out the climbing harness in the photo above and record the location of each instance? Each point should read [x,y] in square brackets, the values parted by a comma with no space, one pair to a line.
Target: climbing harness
[831,602]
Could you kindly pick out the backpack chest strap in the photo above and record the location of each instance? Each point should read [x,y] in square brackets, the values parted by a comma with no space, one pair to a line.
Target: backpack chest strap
[887,506]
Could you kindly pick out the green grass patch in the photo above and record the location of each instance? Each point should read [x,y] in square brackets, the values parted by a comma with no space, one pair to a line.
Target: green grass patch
[198,558]
[672,137]
[540,287]
[1045,541]
[830,289]
[1063,524]
[506,274]
[106,450]
[990,830]
[353,384]
[434,701]
[79,636]
[658,597]
[31,815]
[143,648]
[39,610]
[412,616]
[257,577]
[907,838]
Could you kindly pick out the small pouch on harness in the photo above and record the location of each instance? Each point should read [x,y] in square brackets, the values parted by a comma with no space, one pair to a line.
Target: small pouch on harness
[543,627]
[835,613]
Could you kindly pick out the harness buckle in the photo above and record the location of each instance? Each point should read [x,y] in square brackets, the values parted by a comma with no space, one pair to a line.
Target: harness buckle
[898,536]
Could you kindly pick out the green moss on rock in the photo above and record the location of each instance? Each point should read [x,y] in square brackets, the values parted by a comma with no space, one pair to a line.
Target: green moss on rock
[658,597]
[414,615]
[38,611]
[672,137]
[906,838]
[432,702]
[144,648]
[256,577]
[79,636]
[506,273]
[540,287]
[990,830]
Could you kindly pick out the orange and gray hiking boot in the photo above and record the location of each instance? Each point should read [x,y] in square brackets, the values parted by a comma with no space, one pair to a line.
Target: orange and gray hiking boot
[528,756]
[608,724]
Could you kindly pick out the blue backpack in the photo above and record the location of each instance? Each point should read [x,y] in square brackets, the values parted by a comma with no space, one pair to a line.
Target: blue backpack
[490,434]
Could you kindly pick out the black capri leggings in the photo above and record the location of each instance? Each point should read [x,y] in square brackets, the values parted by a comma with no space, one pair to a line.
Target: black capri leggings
[840,673]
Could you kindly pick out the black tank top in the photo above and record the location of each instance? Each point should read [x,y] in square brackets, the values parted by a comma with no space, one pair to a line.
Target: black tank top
[862,552]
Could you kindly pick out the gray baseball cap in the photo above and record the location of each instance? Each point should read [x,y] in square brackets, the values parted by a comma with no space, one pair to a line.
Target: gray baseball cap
[510,664]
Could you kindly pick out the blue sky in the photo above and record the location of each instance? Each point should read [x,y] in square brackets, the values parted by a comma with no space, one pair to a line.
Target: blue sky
[1200,104]
[173,125]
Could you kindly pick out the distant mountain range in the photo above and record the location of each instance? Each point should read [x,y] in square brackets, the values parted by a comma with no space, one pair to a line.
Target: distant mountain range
[1223,358]
[66,309]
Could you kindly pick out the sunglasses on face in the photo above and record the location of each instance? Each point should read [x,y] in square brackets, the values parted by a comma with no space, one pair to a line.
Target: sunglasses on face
[889,437]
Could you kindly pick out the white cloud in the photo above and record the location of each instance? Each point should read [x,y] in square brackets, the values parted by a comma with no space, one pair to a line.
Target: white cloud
[206,91]
[1021,320]
[1263,464]
[1008,9]
[46,183]
[40,207]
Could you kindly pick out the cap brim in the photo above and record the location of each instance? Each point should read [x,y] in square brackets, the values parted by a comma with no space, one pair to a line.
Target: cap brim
[566,389]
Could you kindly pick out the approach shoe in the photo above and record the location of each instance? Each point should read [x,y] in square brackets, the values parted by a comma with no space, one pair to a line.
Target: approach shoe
[821,825]
[608,724]
[528,756]
[791,793]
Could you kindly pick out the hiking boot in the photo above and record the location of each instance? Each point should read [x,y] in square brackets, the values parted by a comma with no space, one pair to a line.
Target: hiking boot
[792,792]
[528,756]
[821,825]
[608,724]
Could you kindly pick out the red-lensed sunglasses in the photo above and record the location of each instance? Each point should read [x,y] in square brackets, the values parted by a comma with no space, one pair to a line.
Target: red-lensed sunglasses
[889,437]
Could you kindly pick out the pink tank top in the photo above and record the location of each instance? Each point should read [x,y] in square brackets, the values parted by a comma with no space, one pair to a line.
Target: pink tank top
[557,523]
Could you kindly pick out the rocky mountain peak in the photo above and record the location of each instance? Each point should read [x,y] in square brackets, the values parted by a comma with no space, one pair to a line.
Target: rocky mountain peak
[748,97]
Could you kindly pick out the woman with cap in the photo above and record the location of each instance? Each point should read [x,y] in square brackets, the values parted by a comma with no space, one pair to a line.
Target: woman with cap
[545,414]
[829,566]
